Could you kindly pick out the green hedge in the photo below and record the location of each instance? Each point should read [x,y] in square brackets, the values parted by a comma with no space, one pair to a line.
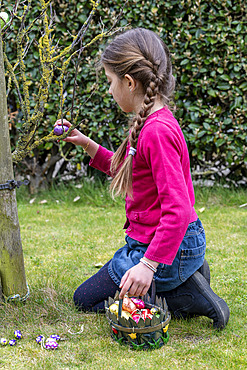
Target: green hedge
[208,45]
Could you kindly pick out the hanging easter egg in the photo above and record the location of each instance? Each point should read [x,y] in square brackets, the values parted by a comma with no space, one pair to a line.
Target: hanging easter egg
[3,341]
[12,342]
[17,334]
[3,19]
[51,343]
[59,130]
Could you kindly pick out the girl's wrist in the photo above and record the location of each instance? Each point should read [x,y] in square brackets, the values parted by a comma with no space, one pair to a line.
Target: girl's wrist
[84,142]
[85,147]
[149,265]
[89,146]
[153,263]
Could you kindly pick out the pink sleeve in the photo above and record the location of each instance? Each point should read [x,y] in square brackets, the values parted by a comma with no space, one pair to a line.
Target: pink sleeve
[102,160]
[163,150]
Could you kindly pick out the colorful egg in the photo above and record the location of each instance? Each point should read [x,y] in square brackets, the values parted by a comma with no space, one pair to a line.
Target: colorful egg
[12,342]
[17,334]
[154,311]
[126,315]
[146,314]
[39,339]
[3,341]
[136,317]
[59,130]
[114,308]
[138,302]
[55,336]
[51,343]
[128,305]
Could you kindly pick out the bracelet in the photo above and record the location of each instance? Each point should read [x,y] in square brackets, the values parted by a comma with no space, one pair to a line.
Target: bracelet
[86,146]
[146,263]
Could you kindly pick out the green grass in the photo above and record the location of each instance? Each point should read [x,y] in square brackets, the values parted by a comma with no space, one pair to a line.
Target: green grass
[63,241]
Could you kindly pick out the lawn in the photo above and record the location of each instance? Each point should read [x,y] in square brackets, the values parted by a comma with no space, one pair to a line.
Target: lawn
[65,242]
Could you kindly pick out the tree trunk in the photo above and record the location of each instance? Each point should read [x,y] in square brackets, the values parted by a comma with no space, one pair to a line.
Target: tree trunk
[12,272]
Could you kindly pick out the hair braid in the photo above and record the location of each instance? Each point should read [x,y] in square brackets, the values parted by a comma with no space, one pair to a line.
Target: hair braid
[122,182]
[148,103]
[143,55]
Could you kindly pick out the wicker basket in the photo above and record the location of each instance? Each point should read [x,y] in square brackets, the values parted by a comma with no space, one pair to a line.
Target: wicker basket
[148,334]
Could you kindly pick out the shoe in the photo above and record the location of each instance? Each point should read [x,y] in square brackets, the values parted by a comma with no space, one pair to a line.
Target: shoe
[195,297]
[205,271]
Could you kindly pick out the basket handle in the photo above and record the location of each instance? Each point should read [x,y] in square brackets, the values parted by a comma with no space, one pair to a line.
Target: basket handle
[153,292]
[120,307]
[153,295]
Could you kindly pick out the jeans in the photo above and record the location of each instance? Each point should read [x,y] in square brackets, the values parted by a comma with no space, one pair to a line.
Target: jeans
[189,258]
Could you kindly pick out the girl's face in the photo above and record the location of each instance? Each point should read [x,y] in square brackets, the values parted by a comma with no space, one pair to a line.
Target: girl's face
[120,90]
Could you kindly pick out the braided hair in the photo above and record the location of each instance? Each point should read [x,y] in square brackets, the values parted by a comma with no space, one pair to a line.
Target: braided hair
[143,55]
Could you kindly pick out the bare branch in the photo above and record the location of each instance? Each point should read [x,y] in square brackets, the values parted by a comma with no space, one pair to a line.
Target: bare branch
[51,60]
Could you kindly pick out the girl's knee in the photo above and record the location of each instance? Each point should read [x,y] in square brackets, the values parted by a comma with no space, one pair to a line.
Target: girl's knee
[78,302]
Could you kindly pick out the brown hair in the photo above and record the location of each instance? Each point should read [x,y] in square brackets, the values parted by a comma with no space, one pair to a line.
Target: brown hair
[144,56]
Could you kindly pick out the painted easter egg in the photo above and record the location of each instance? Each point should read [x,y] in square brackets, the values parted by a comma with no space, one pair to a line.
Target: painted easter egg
[138,302]
[51,343]
[3,341]
[59,130]
[17,334]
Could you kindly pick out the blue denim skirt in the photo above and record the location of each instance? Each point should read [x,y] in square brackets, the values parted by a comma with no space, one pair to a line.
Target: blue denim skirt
[189,259]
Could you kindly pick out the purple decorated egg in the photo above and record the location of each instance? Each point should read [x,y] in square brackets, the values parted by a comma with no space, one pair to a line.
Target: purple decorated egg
[12,342]
[59,130]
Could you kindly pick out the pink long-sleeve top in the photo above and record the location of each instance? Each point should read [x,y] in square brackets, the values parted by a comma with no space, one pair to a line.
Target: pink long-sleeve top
[163,196]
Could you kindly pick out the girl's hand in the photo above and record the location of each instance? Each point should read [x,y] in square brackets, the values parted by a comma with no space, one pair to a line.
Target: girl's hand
[136,281]
[75,137]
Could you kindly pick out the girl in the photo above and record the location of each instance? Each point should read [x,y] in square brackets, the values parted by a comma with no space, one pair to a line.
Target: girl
[165,240]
